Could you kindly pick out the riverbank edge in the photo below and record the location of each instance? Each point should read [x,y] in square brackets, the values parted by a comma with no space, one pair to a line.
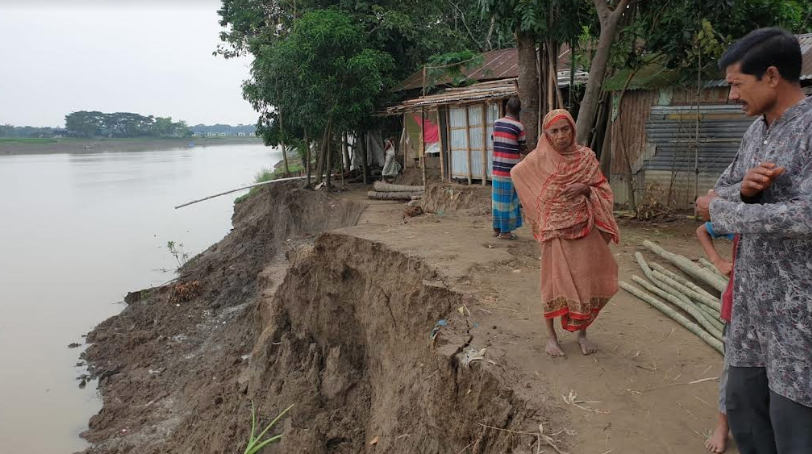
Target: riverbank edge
[97,145]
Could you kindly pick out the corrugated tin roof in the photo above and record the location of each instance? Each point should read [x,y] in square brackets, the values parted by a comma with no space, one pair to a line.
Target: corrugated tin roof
[497,64]
[486,90]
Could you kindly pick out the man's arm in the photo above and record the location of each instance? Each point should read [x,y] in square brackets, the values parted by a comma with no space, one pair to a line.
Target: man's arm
[792,218]
[729,185]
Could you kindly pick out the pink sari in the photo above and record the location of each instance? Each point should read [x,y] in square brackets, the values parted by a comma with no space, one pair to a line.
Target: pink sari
[578,271]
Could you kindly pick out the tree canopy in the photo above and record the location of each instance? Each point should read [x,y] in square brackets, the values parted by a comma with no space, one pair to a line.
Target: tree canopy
[122,125]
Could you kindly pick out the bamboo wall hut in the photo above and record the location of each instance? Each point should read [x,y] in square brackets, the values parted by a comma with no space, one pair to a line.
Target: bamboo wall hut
[450,131]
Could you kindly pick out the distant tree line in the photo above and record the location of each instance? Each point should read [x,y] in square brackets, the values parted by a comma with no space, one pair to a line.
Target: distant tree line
[91,124]
[25,132]
[122,125]
[202,130]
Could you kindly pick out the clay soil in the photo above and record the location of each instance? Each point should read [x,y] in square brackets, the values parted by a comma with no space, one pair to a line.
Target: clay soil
[327,302]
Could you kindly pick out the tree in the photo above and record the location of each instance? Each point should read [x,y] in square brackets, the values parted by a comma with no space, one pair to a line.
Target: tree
[409,33]
[609,20]
[324,75]
[519,18]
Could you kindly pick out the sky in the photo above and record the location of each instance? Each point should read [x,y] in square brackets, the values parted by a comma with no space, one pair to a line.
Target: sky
[149,57]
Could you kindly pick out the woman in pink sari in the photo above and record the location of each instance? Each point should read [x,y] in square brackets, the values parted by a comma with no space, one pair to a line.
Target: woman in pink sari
[570,207]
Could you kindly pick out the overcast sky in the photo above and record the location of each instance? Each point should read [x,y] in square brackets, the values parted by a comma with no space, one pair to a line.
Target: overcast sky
[148,57]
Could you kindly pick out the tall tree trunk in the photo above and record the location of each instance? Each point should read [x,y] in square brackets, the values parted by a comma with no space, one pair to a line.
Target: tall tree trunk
[328,153]
[319,177]
[606,150]
[307,156]
[345,148]
[345,157]
[282,144]
[609,20]
[363,150]
[529,86]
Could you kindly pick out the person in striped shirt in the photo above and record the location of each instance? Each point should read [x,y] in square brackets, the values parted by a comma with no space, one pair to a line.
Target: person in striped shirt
[509,143]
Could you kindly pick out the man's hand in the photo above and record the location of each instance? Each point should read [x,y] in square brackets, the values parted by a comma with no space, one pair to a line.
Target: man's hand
[723,266]
[760,178]
[574,190]
[703,205]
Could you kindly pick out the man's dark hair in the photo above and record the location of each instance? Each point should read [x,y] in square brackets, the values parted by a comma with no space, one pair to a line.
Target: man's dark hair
[763,48]
[514,106]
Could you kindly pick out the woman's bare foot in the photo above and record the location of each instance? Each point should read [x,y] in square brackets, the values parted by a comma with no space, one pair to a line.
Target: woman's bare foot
[718,440]
[587,347]
[496,232]
[554,348]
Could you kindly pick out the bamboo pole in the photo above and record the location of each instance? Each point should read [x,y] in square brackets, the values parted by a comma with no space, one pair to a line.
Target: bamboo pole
[681,280]
[707,263]
[484,144]
[679,318]
[380,186]
[656,276]
[698,315]
[239,189]
[442,144]
[468,144]
[405,147]
[711,313]
[688,266]
[376,195]
[670,289]
[711,302]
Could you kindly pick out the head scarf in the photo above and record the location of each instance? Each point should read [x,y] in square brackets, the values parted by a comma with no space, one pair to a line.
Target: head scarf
[541,178]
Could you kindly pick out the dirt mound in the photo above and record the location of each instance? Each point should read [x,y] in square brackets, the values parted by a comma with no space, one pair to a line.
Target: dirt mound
[444,198]
[338,326]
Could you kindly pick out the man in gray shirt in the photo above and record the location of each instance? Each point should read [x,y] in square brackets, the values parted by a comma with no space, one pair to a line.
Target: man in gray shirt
[766,195]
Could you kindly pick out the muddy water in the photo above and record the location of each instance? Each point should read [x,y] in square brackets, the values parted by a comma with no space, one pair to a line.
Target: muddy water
[77,231]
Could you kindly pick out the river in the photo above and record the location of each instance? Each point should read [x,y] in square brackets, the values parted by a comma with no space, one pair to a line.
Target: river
[77,231]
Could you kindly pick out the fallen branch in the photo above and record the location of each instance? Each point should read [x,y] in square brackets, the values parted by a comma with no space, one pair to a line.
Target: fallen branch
[690,308]
[688,266]
[679,318]
[375,195]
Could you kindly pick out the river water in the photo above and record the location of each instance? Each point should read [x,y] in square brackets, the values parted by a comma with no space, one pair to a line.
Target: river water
[77,231]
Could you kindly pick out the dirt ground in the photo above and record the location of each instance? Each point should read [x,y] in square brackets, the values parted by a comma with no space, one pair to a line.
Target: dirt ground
[339,324]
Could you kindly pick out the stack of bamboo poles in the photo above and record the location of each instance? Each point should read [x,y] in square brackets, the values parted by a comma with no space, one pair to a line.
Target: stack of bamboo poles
[693,307]
[386,191]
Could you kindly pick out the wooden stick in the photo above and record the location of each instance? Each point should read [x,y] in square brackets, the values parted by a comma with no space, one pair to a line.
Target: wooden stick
[686,282]
[679,318]
[688,266]
[690,308]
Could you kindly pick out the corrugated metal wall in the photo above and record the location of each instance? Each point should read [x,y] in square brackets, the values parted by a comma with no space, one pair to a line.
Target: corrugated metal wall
[664,149]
